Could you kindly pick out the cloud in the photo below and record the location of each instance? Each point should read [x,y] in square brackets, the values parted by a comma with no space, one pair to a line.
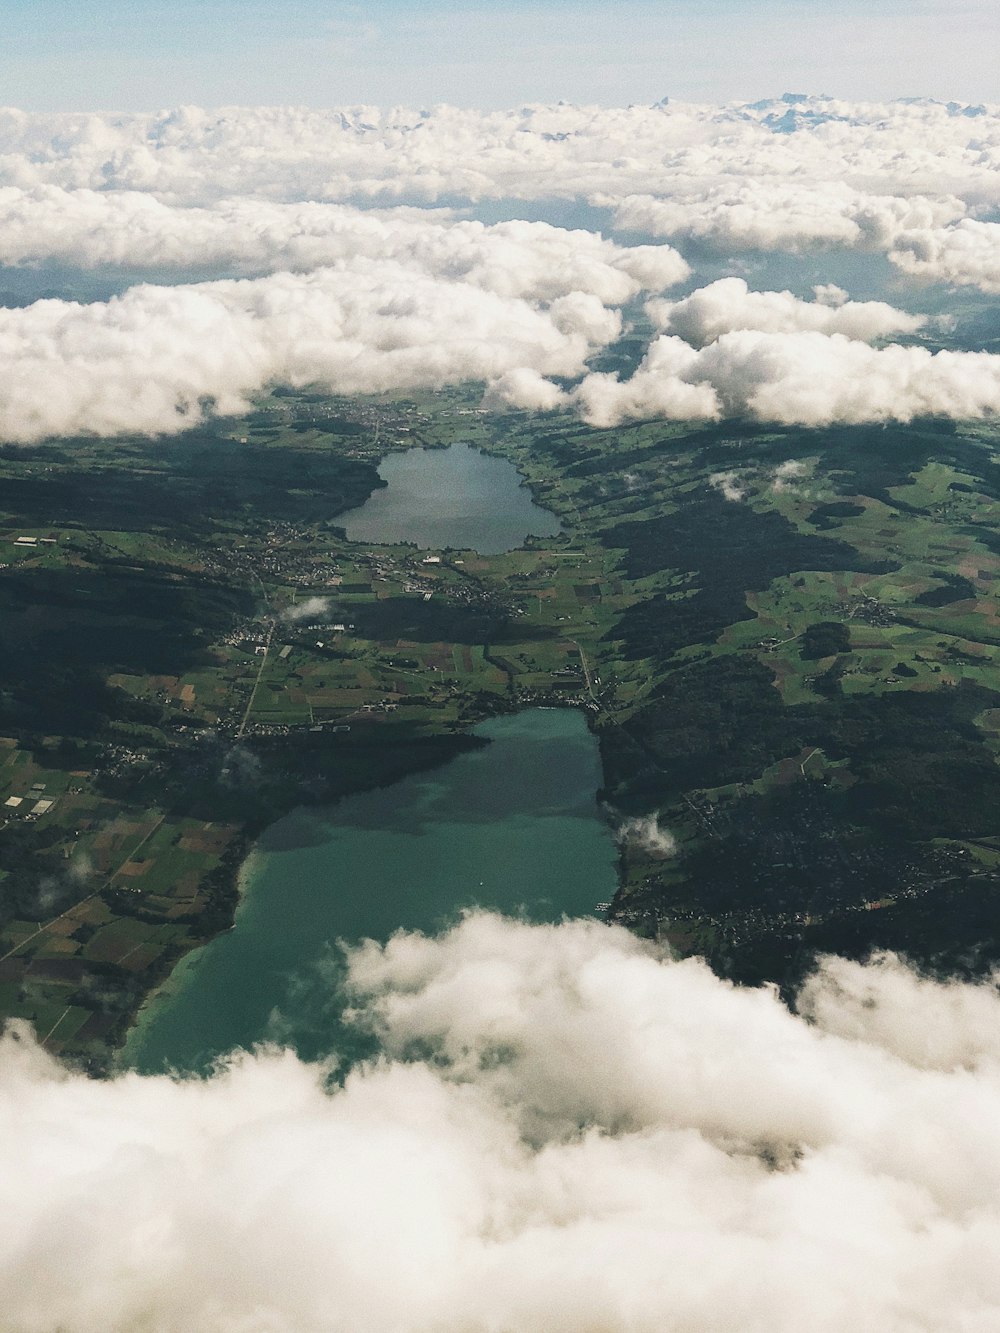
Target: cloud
[398,302]
[240,768]
[729,485]
[410,294]
[643,831]
[311,609]
[735,485]
[526,389]
[786,474]
[816,171]
[159,358]
[663,386]
[770,213]
[566,1131]
[965,255]
[801,378]
[729,305]
[94,229]
[361,275]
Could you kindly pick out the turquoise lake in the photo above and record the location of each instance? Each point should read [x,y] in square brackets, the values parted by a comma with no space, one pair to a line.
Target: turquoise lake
[512,826]
[456,497]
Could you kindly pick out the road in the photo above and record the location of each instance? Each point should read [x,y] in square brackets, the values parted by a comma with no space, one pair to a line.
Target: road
[253,692]
[586,671]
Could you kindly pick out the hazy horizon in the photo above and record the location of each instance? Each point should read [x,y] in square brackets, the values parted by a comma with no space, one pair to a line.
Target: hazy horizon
[143,54]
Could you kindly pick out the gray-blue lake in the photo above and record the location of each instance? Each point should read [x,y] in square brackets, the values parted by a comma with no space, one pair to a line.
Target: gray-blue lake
[455,497]
[512,826]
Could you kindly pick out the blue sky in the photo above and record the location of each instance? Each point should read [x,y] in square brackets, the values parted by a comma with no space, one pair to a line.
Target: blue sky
[145,54]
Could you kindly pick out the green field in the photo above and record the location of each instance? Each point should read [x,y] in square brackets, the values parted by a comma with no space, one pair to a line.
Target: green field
[803,686]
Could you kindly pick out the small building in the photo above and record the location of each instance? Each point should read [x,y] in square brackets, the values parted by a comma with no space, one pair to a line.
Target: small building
[25,541]
[431,560]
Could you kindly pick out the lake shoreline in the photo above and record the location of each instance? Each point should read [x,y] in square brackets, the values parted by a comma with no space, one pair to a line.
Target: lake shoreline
[514,826]
[497,508]
[233,875]
[174,978]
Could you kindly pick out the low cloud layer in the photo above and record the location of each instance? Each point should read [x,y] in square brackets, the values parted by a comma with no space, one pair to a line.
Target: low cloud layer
[347,259]
[769,213]
[644,832]
[803,378]
[158,358]
[91,229]
[310,609]
[567,1131]
[797,175]
[408,303]
[729,305]
[966,255]
[924,163]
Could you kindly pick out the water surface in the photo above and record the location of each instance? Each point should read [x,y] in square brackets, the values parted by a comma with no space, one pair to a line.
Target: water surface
[456,497]
[513,826]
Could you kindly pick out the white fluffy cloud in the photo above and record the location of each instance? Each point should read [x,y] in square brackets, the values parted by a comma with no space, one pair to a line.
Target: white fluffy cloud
[414,295]
[793,175]
[156,358]
[90,229]
[310,609]
[566,1132]
[965,255]
[802,378]
[526,389]
[728,304]
[399,301]
[771,213]
[919,150]
[644,832]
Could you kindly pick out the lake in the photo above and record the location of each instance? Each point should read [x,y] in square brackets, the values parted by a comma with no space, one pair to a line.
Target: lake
[458,497]
[512,826]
